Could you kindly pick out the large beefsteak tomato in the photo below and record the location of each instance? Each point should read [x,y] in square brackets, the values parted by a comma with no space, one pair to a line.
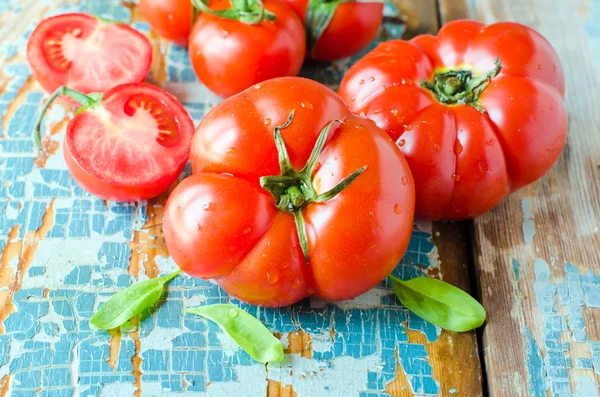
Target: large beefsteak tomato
[262,219]
[478,111]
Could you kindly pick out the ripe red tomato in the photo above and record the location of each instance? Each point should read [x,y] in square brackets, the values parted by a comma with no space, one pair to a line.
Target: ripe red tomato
[129,145]
[221,223]
[86,54]
[229,56]
[338,29]
[471,134]
[171,19]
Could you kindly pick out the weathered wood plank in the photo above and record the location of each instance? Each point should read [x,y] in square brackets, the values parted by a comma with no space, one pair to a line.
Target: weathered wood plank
[537,253]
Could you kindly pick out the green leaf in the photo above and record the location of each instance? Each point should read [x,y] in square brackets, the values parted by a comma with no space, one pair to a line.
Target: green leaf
[440,303]
[246,330]
[129,302]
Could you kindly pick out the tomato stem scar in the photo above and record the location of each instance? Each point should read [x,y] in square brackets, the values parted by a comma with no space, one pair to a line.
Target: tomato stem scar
[85,100]
[293,189]
[461,86]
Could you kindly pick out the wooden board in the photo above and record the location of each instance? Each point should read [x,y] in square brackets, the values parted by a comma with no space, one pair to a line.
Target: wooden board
[64,251]
[538,253]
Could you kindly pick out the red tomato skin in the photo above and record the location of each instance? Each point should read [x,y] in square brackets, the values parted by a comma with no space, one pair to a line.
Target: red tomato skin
[171,19]
[355,239]
[352,29]
[107,183]
[229,56]
[51,79]
[465,162]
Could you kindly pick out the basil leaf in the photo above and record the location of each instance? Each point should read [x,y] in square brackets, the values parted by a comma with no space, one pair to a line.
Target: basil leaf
[246,330]
[440,303]
[131,301]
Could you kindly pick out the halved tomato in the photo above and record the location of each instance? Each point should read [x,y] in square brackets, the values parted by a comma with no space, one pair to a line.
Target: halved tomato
[86,54]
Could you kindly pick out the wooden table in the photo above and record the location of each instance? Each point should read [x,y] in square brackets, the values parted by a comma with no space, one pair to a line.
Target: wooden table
[534,261]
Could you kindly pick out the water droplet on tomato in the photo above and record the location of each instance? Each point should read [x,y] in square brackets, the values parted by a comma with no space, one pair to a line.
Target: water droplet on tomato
[404,180]
[436,147]
[311,291]
[225,33]
[378,111]
[317,165]
[272,277]
[170,16]
[484,166]
[407,127]
[267,121]
[296,283]
[353,98]
[490,142]
[458,147]
[233,313]
[361,82]
[372,79]
[200,227]
[306,105]
[539,67]
[455,177]
[397,209]
[319,180]
[209,207]
[231,150]
[332,174]
[247,230]
[334,158]
[256,87]
[401,142]
[394,112]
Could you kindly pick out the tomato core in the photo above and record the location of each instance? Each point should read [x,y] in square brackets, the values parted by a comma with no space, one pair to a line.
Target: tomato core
[454,87]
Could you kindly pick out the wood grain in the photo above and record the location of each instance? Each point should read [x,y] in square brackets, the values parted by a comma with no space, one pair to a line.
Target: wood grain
[542,309]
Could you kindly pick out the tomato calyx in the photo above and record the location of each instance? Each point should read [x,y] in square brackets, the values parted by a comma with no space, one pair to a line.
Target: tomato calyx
[251,12]
[461,86]
[319,14]
[293,189]
[87,102]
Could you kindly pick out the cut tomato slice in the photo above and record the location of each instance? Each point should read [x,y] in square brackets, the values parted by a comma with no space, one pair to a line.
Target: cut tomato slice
[86,54]
[130,146]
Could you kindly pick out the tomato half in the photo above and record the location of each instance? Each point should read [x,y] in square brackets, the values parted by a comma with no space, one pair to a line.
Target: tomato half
[86,54]
[351,28]
[229,56]
[478,111]
[171,19]
[129,146]
[221,223]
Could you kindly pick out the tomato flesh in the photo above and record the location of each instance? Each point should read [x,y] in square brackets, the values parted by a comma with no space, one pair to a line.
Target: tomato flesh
[220,223]
[87,55]
[132,147]
[466,160]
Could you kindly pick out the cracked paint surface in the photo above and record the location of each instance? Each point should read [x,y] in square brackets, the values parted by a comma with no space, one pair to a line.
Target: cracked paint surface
[65,252]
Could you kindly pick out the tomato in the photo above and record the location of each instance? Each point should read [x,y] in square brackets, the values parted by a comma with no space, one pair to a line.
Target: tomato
[86,54]
[337,30]
[130,144]
[237,221]
[478,111]
[229,56]
[171,19]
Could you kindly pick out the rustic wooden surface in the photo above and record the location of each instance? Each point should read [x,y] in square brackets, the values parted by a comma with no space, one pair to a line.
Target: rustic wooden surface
[538,253]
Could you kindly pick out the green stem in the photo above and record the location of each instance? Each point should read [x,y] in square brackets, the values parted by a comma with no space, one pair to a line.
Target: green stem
[302,237]
[75,95]
[251,12]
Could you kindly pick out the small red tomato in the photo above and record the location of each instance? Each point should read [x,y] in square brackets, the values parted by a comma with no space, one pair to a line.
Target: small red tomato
[338,29]
[87,54]
[291,196]
[129,144]
[171,19]
[232,49]
[478,111]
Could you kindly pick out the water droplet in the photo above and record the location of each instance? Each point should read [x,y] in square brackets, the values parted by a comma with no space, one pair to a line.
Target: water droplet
[455,177]
[272,277]
[539,67]
[231,150]
[378,111]
[404,180]
[490,142]
[200,227]
[296,283]
[233,313]
[317,165]
[319,180]
[361,81]
[436,147]
[334,158]
[397,209]
[209,207]
[247,230]
[332,174]
[458,147]
[394,112]
[267,121]
[311,291]
[353,98]
[256,87]
[307,105]
[484,166]
[407,127]
[225,33]
[401,142]
[371,79]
